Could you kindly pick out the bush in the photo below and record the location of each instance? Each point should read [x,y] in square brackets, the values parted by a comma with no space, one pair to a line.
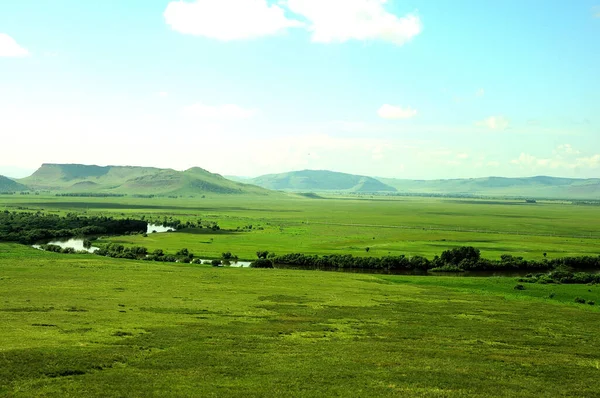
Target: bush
[519,287]
[579,300]
[215,263]
[262,263]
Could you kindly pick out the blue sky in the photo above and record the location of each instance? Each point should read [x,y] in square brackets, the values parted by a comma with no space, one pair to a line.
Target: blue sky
[406,89]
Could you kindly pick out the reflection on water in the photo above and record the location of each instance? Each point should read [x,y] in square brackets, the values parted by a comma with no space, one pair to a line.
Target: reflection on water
[75,243]
[155,228]
[236,264]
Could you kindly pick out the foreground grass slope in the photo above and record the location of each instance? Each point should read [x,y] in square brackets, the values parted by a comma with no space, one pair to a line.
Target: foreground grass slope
[83,325]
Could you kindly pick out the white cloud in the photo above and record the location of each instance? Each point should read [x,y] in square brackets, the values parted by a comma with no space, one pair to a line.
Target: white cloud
[163,94]
[220,112]
[329,21]
[480,93]
[566,149]
[227,19]
[396,112]
[591,162]
[10,48]
[462,156]
[343,20]
[564,157]
[494,123]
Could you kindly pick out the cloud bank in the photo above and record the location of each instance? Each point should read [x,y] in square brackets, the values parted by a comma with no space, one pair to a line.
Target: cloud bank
[10,48]
[342,20]
[227,19]
[329,21]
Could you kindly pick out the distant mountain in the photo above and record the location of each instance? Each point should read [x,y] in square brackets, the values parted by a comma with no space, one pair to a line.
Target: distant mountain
[535,187]
[320,180]
[8,185]
[77,178]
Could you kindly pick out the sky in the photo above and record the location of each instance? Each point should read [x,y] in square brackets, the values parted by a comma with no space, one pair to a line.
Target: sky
[414,89]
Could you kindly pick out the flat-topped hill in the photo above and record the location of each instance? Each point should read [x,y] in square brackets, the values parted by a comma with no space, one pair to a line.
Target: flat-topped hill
[133,180]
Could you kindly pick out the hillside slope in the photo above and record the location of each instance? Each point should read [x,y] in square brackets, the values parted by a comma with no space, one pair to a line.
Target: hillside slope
[77,178]
[536,187]
[321,180]
[8,185]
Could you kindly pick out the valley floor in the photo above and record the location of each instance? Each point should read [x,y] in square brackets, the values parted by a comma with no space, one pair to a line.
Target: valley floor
[88,326]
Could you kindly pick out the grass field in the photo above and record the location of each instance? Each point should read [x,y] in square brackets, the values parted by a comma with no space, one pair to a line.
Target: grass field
[387,225]
[89,326]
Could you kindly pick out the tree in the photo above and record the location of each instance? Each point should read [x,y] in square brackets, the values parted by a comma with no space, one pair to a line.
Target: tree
[227,256]
[262,254]
[183,252]
[457,255]
[262,263]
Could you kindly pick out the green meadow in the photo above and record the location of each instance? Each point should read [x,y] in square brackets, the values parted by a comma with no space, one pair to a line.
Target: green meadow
[88,326]
[284,223]
[84,325]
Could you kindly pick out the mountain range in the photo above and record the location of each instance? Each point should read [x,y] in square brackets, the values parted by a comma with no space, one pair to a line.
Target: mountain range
[320,180]
[530,187]
[77,178]
[84,179]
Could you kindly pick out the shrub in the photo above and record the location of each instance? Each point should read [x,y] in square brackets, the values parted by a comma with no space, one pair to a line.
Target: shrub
[579,300]
[519,287]
[262,263]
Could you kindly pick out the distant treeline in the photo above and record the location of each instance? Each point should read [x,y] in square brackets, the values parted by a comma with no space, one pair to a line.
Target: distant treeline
[92,195]
[29,228]
[116,250]
[562,275]
[459,259]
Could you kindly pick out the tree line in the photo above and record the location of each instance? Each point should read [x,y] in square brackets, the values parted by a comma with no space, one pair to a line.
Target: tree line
[28,228]
[466,258]
[460,259]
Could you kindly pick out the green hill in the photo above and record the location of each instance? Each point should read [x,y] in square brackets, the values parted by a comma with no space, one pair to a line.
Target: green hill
[8,185]
[321,180]
[528,187]
[77,178]
[535,187]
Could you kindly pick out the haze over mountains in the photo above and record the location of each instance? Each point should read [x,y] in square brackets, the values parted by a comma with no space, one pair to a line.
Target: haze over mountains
[77,178]
[320,180]
[534,187]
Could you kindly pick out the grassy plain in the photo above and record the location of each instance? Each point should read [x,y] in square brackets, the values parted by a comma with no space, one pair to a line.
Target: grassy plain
[89,326]
[387,225]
